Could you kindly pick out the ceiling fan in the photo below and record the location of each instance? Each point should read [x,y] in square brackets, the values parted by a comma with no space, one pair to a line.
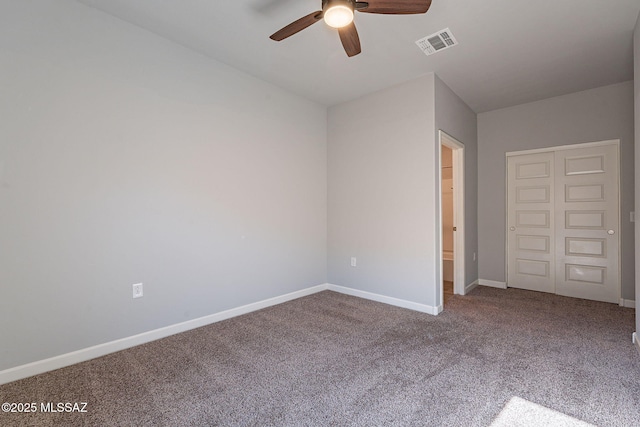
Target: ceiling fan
[339,14]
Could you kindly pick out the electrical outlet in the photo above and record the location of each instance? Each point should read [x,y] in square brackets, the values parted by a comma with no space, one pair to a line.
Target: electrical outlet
[137,290]
[475,257]
[353,261]
[632,217]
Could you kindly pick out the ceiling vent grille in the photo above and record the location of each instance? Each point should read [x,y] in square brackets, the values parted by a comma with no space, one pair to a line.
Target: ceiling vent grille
[437,42]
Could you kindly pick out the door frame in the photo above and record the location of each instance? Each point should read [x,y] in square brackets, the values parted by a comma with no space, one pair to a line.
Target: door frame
[508,154]
[457,148]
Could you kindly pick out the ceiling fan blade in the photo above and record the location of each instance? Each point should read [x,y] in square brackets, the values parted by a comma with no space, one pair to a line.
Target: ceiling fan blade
[296,26]
[350,40]
[395,7]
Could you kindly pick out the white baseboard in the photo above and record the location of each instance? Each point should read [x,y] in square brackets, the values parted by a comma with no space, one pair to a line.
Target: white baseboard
[471,286]
[57,362]
[628,303]
[492,283]
[387,300]
[636,341]
[63,360]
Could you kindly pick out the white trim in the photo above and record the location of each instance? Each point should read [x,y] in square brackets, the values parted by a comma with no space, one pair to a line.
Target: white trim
[636,340]
[386,299]
[628,303]
[57,362]
[471,286]
[492,283]
[565,147]
[458,212]
[63,360]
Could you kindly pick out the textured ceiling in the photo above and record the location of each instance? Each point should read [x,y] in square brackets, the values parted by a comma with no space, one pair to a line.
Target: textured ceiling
[510,51]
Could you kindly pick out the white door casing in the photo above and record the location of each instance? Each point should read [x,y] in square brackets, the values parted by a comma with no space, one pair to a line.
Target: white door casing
[458,213]
[563,226]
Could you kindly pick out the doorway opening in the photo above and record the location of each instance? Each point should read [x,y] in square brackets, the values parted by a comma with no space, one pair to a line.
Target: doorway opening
[451,218]
[448,226]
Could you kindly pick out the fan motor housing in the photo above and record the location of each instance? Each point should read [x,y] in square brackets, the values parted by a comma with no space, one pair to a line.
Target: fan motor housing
[328,3]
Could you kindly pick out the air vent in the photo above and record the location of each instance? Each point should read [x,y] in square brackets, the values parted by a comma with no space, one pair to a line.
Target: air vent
[437,42]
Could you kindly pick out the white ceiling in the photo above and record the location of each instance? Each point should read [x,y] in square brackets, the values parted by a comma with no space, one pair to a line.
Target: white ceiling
[510,51]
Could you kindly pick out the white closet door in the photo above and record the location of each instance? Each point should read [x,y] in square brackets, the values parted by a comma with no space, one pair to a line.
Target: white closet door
[587,226]
[563,222]
[531,258]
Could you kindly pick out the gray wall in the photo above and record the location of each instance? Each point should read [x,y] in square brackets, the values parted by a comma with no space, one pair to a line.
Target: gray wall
[125,158]
[383,194]
[595,115]
[382,189]
[636,55]
[455,118]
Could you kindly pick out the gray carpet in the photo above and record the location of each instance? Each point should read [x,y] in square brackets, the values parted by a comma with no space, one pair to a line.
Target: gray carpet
[334,360]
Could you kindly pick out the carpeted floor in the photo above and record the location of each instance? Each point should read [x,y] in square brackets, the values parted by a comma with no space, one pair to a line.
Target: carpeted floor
[332,360]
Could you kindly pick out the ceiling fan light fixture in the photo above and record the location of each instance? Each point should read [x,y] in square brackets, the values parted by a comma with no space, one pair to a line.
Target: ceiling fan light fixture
[338,14]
